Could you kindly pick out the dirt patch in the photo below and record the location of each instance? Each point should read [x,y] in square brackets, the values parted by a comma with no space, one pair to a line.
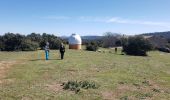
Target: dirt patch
[4,68]
[72,71]
[108,95]
[152,87]
[118,92]
[26,98]
[147,89]
[55,87]
[95,69]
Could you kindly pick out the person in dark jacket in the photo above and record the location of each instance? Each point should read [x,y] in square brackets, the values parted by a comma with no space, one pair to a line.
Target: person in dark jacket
[115,49]
[62,50]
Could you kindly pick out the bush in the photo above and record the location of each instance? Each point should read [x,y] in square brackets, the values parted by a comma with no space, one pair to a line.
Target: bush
[28,45]
[75,86]
[167,50]
[137,45]
[92,46]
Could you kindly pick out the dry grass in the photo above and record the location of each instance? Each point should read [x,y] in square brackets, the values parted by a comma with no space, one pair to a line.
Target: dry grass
[4,68]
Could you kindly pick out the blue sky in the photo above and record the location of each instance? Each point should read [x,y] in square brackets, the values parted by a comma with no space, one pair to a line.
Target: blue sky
[85,17]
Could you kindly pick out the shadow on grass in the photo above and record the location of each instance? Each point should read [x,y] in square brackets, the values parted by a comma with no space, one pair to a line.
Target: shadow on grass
[43,59]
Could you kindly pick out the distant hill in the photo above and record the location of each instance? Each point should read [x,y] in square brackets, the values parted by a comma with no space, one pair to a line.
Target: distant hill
[165,35]
[91,37]
[158,39]
[85,37]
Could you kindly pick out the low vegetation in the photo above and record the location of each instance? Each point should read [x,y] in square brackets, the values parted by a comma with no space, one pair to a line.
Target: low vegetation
[76,86]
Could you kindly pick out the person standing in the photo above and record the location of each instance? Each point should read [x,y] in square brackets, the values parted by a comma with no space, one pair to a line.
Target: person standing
[47,49]
[115,49]
[62,50]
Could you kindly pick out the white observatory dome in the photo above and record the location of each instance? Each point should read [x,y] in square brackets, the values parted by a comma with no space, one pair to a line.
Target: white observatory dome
[75,39]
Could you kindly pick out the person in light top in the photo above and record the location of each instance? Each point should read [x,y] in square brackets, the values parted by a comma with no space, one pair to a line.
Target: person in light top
[47,49]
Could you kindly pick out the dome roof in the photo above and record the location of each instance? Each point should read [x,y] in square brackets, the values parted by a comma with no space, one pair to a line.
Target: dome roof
[75,39]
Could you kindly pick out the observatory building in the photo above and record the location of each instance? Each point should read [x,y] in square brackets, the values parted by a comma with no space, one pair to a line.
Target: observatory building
[75,42]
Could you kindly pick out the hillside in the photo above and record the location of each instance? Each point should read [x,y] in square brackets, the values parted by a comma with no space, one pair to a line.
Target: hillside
[161,34]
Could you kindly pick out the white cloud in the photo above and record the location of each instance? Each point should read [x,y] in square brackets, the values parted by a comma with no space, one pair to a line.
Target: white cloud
[110,20]
[92,19]
[56,17]
[139,22]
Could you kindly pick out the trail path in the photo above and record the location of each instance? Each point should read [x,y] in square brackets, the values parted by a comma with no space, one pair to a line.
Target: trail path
[4,68]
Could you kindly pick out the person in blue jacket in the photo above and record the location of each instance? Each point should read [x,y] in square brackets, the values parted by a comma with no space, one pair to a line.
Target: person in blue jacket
[47,49]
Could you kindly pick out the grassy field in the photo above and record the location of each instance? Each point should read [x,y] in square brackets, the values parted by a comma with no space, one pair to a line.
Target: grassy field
[26,76]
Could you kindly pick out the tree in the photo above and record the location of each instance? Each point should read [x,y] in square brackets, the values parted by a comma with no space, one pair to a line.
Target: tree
[35,37]
[1,43]
[109,39]
[12,41]
[28,45]
[53,40]
[17,42]
[137,45]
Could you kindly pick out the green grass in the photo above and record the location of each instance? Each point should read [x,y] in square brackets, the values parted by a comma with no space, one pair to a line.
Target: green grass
[118,76]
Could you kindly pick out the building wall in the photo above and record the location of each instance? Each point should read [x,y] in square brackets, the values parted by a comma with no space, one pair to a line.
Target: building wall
[75,46]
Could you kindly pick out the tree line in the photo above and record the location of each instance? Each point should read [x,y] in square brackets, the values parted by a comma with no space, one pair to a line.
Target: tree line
[132,45]
[30,42]
[108,40]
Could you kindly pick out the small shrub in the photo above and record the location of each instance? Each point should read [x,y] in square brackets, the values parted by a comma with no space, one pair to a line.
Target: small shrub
[148,95]
[75,86]
[121,82]
[147,83]
[124,98]
[156,90]
[87,84]
[92,46]
[136,84]
[144,95]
